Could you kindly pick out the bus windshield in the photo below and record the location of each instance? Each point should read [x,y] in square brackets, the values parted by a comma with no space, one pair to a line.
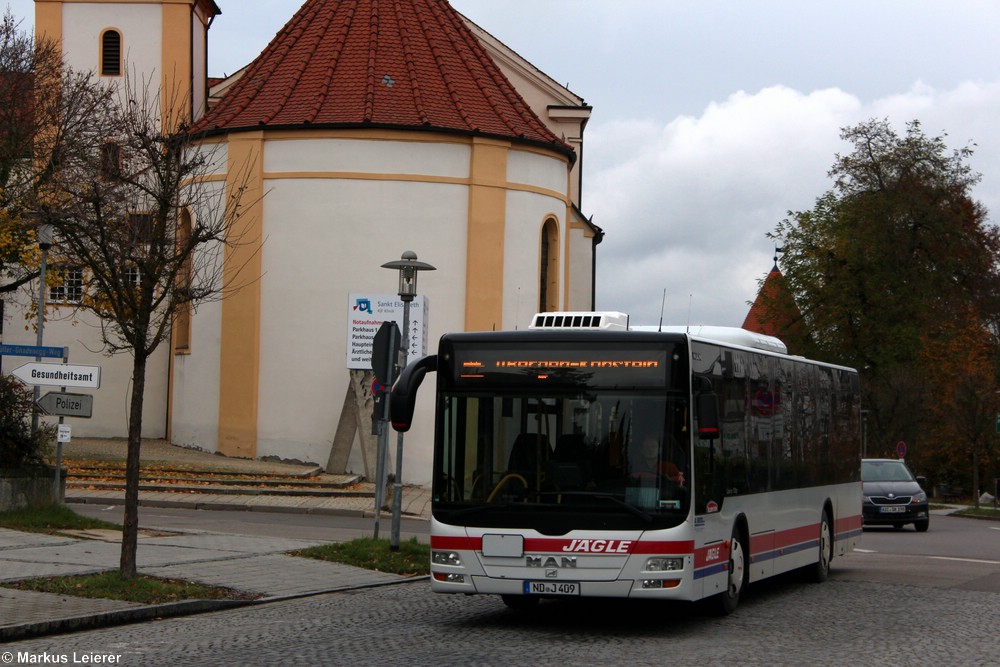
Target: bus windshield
[534,460]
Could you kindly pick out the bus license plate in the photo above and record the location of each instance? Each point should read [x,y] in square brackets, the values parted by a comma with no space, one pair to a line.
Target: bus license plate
[551,588]
[892,509]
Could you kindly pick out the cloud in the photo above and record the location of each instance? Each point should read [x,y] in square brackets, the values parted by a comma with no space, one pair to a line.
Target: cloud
[686,204]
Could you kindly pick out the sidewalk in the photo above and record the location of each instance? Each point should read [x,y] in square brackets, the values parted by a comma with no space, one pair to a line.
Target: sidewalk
[257,565]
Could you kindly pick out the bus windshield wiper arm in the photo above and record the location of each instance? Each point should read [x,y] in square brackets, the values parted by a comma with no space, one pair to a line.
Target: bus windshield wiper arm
[645,516]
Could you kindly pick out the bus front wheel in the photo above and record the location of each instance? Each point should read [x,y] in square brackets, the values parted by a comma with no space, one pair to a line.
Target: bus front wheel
[726,602]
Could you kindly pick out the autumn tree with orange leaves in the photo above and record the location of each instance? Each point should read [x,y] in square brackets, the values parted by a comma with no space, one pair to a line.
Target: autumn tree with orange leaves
[963,401]
[895,271]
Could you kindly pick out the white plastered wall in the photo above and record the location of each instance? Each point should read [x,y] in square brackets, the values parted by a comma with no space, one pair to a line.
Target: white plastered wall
[526,212]
[335,211]
[141,29]
[79,331]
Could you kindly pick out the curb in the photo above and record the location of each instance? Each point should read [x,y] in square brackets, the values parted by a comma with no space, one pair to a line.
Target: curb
[233,507]
[117,617]
[167,610]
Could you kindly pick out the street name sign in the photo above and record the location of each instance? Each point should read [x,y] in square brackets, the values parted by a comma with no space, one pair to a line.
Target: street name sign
[62,404]
[43,351]
[59,375]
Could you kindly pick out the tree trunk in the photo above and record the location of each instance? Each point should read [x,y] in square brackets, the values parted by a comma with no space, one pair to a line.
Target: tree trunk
[130,527]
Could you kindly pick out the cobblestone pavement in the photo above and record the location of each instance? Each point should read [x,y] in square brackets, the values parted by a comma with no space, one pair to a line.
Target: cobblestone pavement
[780,623]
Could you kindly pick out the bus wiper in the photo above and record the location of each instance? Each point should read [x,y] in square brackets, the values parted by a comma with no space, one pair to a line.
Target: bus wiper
[645,516]
[475,509]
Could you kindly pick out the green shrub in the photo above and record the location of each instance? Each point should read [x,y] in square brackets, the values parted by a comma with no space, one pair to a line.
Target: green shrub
[19,447]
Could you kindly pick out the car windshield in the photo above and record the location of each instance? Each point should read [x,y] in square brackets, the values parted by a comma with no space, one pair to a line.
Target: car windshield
[885,471]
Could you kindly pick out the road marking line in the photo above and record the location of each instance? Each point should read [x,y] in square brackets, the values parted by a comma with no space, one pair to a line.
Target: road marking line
[966,560]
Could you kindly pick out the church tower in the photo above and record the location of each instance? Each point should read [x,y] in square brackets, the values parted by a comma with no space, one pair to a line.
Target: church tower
[161,45]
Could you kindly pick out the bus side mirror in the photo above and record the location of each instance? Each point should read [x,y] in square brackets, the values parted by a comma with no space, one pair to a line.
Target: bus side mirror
[403,396]
[707,410]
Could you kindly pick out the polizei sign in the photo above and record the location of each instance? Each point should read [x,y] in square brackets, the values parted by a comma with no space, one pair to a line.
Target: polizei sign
[59,375]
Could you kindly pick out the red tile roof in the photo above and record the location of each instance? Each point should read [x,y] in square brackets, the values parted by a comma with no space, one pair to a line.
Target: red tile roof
[378,63]
[774,311]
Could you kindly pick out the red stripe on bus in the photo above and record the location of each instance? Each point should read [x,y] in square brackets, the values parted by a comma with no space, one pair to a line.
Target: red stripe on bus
[765,543]
[456,543]
[848,523]
[574,545]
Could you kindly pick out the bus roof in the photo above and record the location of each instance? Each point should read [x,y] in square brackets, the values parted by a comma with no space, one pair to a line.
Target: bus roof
[615,321]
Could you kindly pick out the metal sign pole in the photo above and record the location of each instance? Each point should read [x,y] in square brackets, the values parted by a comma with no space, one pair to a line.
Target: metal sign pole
[383,428]
[397,487]
[56,486]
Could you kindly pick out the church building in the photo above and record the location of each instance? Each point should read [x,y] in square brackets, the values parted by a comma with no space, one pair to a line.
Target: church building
[363,130]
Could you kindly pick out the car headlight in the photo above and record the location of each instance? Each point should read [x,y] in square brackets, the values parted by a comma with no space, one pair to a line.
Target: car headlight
[919,497]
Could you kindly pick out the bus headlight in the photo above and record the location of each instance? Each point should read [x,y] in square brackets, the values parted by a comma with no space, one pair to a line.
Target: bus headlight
[664,564]
[446,558]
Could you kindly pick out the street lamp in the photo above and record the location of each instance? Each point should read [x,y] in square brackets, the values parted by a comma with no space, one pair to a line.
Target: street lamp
[408,268]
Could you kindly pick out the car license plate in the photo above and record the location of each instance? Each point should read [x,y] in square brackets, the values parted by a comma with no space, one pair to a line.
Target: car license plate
[892,509]
[551,588]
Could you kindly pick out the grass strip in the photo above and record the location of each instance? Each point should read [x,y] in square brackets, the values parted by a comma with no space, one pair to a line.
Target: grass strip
[412,558]
[143,589]
[50,520]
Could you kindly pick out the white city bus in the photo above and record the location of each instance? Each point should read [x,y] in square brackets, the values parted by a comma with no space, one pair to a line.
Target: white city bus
[583,458]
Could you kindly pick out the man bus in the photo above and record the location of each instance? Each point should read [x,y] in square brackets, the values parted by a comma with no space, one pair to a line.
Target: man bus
[543,485]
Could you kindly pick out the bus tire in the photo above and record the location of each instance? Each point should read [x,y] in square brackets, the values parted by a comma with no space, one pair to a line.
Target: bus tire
[726,602]
[820,570]
[519,602]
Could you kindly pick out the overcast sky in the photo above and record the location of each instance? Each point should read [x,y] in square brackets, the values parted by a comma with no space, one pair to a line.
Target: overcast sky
[714,118]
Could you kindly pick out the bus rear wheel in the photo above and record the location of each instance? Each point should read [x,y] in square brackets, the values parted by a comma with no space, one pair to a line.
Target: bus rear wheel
[820,570]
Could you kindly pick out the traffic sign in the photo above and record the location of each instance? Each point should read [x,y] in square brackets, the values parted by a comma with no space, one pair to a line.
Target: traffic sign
[62,404]
[901,449]
[43,351]
[59,375]
[385,346]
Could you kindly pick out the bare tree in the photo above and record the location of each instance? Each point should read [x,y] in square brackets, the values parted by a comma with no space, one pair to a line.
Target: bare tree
[146,214]
[47,117]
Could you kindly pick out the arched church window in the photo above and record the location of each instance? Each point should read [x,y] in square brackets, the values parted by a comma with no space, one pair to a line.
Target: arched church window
[111,53]
[548,269]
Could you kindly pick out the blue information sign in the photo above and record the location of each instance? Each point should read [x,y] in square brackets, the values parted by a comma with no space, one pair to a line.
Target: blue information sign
[33,351]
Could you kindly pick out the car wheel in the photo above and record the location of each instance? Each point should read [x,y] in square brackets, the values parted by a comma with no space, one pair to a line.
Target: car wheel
[922,526]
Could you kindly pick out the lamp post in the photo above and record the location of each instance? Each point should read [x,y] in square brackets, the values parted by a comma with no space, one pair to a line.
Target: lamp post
[408,267]
[43,234]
